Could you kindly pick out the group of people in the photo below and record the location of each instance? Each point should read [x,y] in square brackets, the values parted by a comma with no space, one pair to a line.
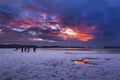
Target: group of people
[25,49]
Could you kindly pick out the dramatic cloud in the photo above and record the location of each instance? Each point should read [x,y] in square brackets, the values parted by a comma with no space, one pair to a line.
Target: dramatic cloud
[97,22]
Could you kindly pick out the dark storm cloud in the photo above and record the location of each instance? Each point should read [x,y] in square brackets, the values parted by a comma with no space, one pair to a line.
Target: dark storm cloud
[105,14]
[51,37]
[72,11]
[9,36]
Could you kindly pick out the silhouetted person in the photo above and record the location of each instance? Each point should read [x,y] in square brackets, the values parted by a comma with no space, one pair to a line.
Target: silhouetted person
[25,49]
[34,48]
[16,49]
[28,49]
[22,49]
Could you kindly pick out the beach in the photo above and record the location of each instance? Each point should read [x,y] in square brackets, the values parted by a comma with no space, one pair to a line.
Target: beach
[60,64]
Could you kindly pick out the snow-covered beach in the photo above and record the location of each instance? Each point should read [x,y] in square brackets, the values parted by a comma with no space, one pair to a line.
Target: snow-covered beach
[58,64]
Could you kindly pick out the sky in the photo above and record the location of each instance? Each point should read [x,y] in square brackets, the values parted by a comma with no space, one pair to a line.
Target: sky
[60,22]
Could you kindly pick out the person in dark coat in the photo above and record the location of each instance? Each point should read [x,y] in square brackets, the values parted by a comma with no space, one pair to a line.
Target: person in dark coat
[34,48]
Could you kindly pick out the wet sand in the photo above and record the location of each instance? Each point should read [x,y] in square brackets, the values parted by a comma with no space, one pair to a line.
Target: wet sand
[59,65]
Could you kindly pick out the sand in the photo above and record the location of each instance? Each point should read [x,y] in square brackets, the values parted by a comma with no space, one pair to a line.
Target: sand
[46,64]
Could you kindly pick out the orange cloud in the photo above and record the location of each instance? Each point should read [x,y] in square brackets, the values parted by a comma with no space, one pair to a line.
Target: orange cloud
[68,33]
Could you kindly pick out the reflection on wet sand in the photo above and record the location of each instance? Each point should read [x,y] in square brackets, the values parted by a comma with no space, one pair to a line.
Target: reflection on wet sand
[79,62]
[83,61]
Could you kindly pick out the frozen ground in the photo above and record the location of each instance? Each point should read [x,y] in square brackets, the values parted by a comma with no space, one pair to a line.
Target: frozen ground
[46,64]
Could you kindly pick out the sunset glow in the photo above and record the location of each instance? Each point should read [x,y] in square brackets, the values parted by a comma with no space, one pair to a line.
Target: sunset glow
[55,30]
[40,26]
[79,62]
[68,31]
[84,61]
[40,39]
